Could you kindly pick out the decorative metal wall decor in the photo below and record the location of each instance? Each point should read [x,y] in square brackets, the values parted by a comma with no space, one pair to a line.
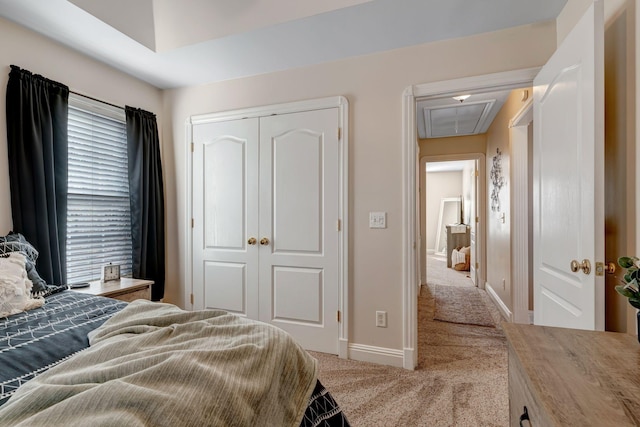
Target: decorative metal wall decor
[497,181]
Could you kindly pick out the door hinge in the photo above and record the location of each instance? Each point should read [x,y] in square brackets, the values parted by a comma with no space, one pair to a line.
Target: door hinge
[193,147]
[193,223]
[338,225]
[339,134]
[477,265]
[191,298]
[339,316]
[476,173]
[477,219]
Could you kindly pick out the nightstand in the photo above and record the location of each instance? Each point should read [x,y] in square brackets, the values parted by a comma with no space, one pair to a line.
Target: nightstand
[125,289]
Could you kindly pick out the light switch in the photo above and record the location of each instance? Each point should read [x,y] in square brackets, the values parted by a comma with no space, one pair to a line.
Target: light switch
[377,220]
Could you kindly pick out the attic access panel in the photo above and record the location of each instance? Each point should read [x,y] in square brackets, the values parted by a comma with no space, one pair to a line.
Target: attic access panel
[456,120]
[436,116]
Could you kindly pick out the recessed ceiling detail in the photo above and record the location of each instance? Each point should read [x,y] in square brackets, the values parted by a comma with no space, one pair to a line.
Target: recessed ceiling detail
[176,43]
[445,116]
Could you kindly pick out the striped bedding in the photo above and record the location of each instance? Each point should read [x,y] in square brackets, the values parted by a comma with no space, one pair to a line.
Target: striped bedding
[35,341]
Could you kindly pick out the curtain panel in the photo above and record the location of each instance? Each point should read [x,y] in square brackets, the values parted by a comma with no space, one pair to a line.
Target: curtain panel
[37,111]
[147,198]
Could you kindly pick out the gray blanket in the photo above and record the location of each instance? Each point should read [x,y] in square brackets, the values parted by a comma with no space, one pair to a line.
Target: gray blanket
[154,364]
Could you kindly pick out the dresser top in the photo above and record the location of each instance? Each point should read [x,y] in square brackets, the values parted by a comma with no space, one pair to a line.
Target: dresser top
[580,377]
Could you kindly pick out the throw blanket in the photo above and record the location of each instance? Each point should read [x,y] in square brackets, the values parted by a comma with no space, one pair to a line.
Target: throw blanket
[154,364]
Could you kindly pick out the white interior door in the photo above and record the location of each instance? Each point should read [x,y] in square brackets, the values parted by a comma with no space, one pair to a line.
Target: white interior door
[568,179]
[225,213]
[298,220]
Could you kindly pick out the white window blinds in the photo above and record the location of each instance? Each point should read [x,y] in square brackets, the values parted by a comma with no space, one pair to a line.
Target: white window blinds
[98,216]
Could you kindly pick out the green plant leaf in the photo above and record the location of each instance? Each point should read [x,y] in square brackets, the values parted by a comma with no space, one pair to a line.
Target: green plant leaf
[625,262]
[635,302]
[624,291]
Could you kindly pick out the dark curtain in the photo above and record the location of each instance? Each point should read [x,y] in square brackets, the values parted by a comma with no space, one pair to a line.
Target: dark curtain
[147,198]
[37,113]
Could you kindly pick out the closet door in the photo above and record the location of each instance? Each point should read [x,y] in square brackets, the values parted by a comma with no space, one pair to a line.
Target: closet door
[225,213]
[298,226]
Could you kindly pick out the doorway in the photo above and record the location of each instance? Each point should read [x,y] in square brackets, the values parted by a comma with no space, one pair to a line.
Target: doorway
[448,226]
[498,81]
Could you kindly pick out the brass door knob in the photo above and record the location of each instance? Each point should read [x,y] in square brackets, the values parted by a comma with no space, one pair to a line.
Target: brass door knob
[264,241]
[585,266]
[252,241]
[609,268]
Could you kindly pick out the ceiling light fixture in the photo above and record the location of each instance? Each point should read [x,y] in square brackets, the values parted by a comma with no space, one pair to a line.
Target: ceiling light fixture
[461,97]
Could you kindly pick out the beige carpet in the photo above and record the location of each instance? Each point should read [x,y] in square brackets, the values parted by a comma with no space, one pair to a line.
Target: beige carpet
[464,305]
[461,379]
[439,274]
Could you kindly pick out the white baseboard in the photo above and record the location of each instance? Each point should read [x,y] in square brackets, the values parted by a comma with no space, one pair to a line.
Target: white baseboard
[410,359]
[504,310]
[531,317]
[379,355]
[343,348]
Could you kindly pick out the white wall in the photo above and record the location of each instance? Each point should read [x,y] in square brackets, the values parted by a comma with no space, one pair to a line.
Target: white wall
[39,55]
[373,85]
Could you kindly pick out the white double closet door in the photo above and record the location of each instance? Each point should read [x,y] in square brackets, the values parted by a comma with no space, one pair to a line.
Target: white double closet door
[265,208]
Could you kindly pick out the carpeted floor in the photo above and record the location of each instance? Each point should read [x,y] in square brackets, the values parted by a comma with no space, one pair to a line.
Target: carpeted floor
[461,379]
[438,273]
[461,304]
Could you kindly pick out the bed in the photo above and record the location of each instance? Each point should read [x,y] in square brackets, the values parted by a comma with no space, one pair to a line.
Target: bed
[83,359]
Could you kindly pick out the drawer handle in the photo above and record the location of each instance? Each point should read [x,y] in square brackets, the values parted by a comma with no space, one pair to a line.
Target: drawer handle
[525,417]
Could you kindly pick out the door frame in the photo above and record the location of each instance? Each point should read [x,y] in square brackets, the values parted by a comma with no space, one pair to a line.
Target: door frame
[480,201]
[342,104]
[410,281]
[521,205]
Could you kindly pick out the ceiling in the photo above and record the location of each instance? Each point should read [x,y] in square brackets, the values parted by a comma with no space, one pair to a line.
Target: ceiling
[175,43]
[450,166]
[446,116]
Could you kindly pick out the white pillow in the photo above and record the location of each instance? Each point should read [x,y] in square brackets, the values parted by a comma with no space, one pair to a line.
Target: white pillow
[15,286]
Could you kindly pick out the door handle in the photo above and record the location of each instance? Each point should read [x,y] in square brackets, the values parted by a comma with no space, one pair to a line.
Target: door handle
[525,417]
[609,268]
[585,266]
[264,241]
[252,241]
[605,267]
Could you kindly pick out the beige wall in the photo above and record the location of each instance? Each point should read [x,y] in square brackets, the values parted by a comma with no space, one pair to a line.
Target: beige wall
[373,85]
[453,145]
[498,244]
[39,55]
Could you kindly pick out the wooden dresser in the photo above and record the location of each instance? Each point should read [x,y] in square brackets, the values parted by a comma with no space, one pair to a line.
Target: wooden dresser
[125,289]
[569,377]
[456,240]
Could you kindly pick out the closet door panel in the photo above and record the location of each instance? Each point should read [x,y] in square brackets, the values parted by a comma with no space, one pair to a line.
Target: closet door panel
[297,192]
[298,215]
[225,216]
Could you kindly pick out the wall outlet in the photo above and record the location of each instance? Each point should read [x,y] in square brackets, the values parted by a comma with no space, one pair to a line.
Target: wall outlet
[381,319]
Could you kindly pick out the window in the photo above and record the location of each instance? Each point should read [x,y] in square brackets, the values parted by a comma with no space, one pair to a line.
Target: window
[98,217]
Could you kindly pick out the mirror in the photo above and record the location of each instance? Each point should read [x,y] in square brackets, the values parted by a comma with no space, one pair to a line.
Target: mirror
[449,214]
